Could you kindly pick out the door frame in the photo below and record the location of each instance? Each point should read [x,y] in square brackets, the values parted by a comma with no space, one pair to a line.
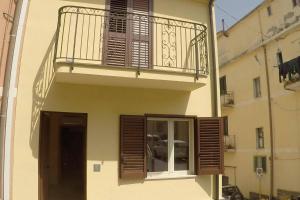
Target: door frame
[61,115]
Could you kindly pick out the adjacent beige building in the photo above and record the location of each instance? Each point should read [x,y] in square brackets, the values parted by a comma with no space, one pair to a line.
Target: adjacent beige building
[115,99]
[259,74]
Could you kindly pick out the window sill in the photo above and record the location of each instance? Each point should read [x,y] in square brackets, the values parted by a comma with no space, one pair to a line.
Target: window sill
[167,177]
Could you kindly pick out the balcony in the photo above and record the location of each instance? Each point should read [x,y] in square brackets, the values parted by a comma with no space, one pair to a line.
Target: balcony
[229,143]
[289,73]
[116,48]
[227,99]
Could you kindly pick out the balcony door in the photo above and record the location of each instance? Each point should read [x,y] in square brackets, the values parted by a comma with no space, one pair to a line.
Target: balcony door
[128,41]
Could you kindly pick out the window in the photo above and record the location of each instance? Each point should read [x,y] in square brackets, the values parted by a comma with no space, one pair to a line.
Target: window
[260,140]
[260,162]
[279,58]
[159,147]
[128,38]
[223,85]
[170,147]
[269,10]
[225,125]
[295,3]
[256,87]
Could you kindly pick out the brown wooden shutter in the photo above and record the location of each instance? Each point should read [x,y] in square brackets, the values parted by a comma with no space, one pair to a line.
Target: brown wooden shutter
[132,147]
[209,146]
[115,41]
[129,33]
[141,33]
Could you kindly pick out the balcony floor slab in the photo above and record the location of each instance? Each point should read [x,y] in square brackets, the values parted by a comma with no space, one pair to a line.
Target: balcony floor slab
[123,77]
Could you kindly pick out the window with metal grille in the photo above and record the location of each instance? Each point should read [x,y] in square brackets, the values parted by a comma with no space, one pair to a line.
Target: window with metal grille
[260,140]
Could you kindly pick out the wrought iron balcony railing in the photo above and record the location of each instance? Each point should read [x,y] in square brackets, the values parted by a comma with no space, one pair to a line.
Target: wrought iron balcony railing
[227,99]
[289,72]
[229,142]
[111,38]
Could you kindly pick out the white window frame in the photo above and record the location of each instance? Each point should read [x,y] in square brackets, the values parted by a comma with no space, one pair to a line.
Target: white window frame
[171,164]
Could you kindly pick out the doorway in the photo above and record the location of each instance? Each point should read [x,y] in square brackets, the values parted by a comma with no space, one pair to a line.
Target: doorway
[62,156]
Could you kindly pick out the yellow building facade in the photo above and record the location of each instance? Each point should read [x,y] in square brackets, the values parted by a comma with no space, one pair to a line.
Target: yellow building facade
[258,64]
[118,92]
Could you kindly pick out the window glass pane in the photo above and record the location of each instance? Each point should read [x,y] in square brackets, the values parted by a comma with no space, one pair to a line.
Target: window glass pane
[256,87]
[269,9]
[181,145]
[223,85]
[260,138]
[264,163]
[225,125]
[157,146]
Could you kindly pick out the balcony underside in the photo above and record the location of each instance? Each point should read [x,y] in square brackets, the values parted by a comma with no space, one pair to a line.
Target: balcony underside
[127,77]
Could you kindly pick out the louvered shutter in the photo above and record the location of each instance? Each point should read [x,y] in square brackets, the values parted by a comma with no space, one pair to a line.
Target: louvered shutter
[129,35]
[116,40]
[132,147]
[141,31]
[209,146]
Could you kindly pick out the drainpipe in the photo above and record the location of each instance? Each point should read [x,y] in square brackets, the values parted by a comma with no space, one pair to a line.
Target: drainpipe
[10,91]
[213,80]
[270,124]
[270,115]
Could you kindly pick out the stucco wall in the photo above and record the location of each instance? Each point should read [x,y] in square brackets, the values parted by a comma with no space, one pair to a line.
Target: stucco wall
[38,91]
[249,113]
[255,27]
[104,105]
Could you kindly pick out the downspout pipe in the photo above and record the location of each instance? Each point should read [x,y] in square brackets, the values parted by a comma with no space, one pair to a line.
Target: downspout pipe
[270,110]
[271,125]
[10,91]
[213,81]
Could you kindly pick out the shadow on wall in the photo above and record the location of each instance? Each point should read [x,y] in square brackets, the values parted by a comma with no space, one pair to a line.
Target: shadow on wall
[41,87]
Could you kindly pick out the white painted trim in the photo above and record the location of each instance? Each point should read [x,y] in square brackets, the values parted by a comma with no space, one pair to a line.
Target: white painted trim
[11,101]
[171,173]
[166,177]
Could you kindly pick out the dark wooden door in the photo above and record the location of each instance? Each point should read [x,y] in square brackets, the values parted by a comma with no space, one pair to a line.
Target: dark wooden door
[44,155]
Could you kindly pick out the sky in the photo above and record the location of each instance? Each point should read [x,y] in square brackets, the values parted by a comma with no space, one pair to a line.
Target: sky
[233,10]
